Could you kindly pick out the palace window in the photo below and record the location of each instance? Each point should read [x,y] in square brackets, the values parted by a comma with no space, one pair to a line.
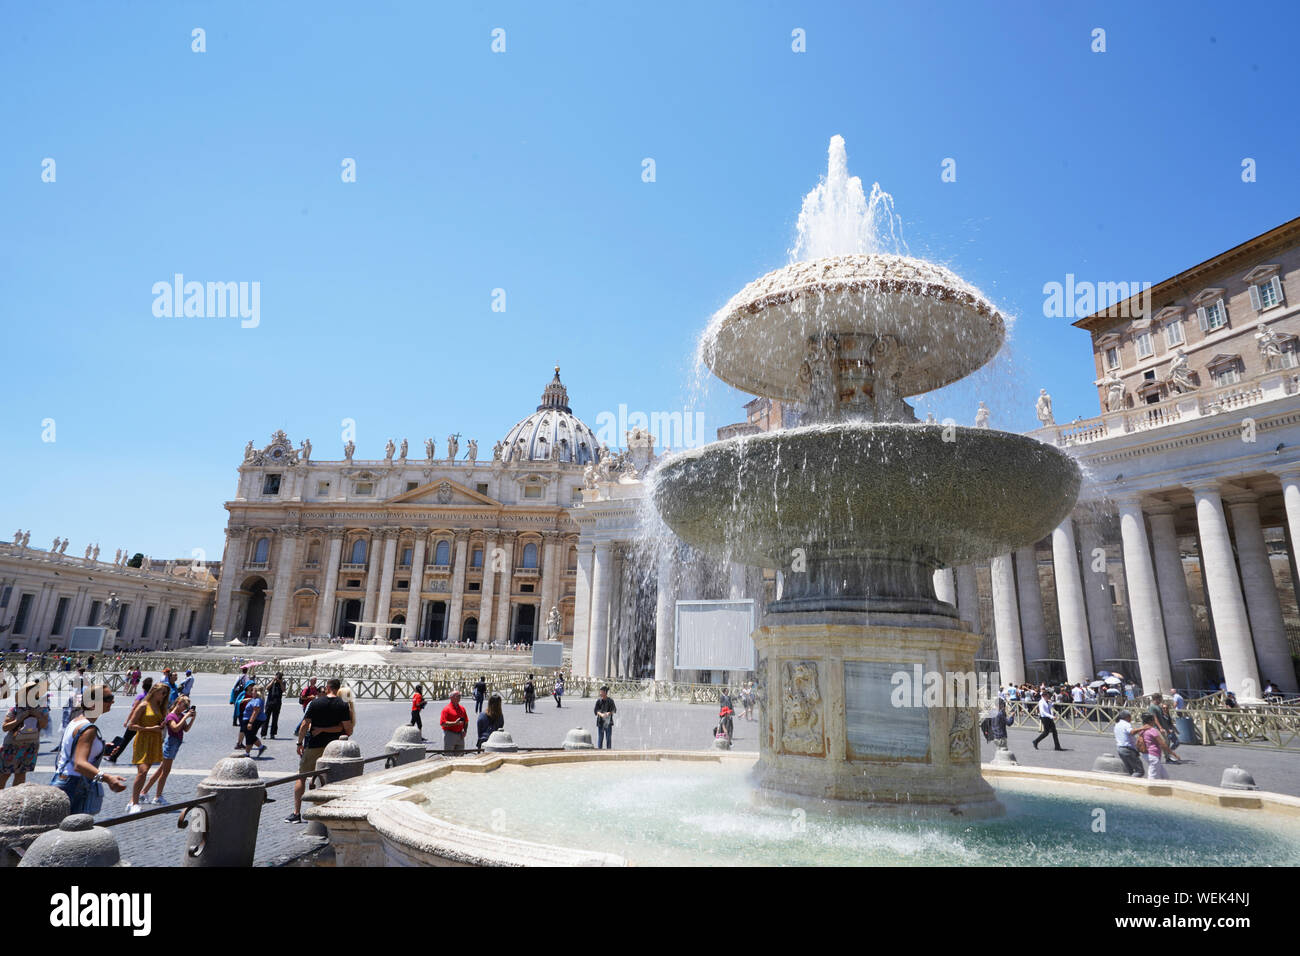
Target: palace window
[1145,349]
[271,485]
[1112,357]
[476,560]
[24,609]
[60,616]
[481,487]
[364,488]
[93,617]
[532,491]
[354,582]
[322,488]
[403,585]
[526,589]
[262,551]
[1174,333]
[358,555]
[412,485]
[1227,375]
[442,553]
[1212,316]
[474,586]
[576,495]
[1266,294]
[530,556]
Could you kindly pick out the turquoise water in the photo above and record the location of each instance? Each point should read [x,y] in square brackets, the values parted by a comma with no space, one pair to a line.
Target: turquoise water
[678,813]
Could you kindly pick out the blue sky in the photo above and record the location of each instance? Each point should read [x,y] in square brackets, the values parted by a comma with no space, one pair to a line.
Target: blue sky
[522,171]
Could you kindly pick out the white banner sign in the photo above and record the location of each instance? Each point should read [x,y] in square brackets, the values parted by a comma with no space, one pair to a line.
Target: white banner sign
[715,635]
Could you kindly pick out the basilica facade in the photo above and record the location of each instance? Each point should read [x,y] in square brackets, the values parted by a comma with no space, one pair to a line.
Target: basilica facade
[439,546]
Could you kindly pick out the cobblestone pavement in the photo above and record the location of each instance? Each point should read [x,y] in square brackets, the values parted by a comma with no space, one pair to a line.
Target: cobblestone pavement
[641,725]
[157,841]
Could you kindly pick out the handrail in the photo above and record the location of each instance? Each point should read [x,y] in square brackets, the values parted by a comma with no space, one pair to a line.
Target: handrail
[156,811]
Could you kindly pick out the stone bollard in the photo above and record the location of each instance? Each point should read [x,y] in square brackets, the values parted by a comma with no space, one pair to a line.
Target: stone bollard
[1234,778]
[1109,763]
[26,812]
[77,842]
[500,742]
[406,744]
[227,833]
[578,739]
[340,761]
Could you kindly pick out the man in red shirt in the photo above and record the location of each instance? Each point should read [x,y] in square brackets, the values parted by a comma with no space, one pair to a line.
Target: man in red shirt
[454,724]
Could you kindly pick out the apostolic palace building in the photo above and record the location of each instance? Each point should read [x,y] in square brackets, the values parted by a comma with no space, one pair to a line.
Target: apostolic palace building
[1176,568]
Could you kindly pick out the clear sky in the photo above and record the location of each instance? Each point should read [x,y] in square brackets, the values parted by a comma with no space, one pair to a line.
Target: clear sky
[523,171]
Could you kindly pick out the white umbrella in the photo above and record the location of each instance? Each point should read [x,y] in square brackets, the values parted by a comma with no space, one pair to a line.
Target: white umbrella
[1112,681]
[1096,683]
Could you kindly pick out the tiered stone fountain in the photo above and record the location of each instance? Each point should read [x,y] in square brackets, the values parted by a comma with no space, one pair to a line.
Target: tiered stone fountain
[858,507]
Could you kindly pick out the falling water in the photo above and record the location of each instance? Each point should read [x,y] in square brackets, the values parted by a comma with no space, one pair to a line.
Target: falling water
[838,218]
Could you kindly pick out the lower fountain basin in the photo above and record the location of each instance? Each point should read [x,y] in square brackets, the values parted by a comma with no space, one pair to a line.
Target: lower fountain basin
[660,808]
[866,508]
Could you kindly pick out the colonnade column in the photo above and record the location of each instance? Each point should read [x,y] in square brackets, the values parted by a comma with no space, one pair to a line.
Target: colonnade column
[602,578]
[968,597]
[1144,600]
[275,617]
[1070,604]
[1175,603]
[1096,591]
[945,586]
[457,586]
[502,630]
[1029,596]
[1006,620]
[1231,625]
[231,562]
[374,565]
[416,586]
[582,610]
[385,601]
[492,562]
[666,615]
[1272,653]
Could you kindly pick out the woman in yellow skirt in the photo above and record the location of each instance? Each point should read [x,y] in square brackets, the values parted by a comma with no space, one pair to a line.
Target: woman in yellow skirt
[147,722]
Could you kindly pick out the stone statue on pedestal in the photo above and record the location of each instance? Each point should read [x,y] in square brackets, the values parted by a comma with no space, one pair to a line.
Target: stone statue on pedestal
[117,558]
[63,547]
[348,449]
[304,449]
[27,537]
[401,452]
[496,452]
[87,554]
[982,416]
[94,554]
[1043,408]
[453,446]
[1115,393]
[472,454]
[248,452]
[1180,375]
[388,450]
[553,624]
[112,611]
[1270,347]
[428,449]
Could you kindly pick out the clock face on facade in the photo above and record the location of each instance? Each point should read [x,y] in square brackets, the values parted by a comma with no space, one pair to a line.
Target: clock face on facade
[277,453]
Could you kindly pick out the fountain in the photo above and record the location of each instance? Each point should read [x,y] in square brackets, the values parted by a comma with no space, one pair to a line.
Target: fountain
[858,507]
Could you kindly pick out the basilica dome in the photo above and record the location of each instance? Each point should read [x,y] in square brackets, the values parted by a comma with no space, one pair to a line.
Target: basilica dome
[552,433]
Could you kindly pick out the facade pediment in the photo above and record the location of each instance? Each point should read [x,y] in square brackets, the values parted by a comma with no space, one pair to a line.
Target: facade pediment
[1208,295]
[1169,313]
[1262,272]
[443,492]
[1223,358]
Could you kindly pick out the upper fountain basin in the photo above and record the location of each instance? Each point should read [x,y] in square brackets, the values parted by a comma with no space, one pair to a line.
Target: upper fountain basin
[945,328]
[880,490]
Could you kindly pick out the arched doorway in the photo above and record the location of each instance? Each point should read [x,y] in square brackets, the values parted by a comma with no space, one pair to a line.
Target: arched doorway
[525,624]
[256,589]
[469,630]
[394,634]
[349,611]
[435,622]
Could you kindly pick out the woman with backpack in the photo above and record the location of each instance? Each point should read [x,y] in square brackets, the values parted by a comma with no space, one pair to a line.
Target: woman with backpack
[76,771]
[22,729]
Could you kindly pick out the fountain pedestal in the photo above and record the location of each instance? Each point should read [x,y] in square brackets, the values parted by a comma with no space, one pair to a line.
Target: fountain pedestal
[877,716]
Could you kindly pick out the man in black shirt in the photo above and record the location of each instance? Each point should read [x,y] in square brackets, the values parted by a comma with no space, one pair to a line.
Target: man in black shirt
[326,719]
[605,719]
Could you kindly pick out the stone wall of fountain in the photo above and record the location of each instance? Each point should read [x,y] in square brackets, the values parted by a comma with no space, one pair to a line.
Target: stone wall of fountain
[858,507]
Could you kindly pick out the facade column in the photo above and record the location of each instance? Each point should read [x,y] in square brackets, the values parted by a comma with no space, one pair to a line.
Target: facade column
[945,586]
[602,578]
[232,560]
[1033,632]
[374,565]
[329,584]
[1272,652]
[582,611]
[1231,625]
[1175,604]
[1070,604]
[666,615]
[501,632]
[1096,591]
[281,585]
[551,570]
[457,586]
[1006,621]
[385,597]
[417,587]
[1143,598]
[968,598]
[493,558]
